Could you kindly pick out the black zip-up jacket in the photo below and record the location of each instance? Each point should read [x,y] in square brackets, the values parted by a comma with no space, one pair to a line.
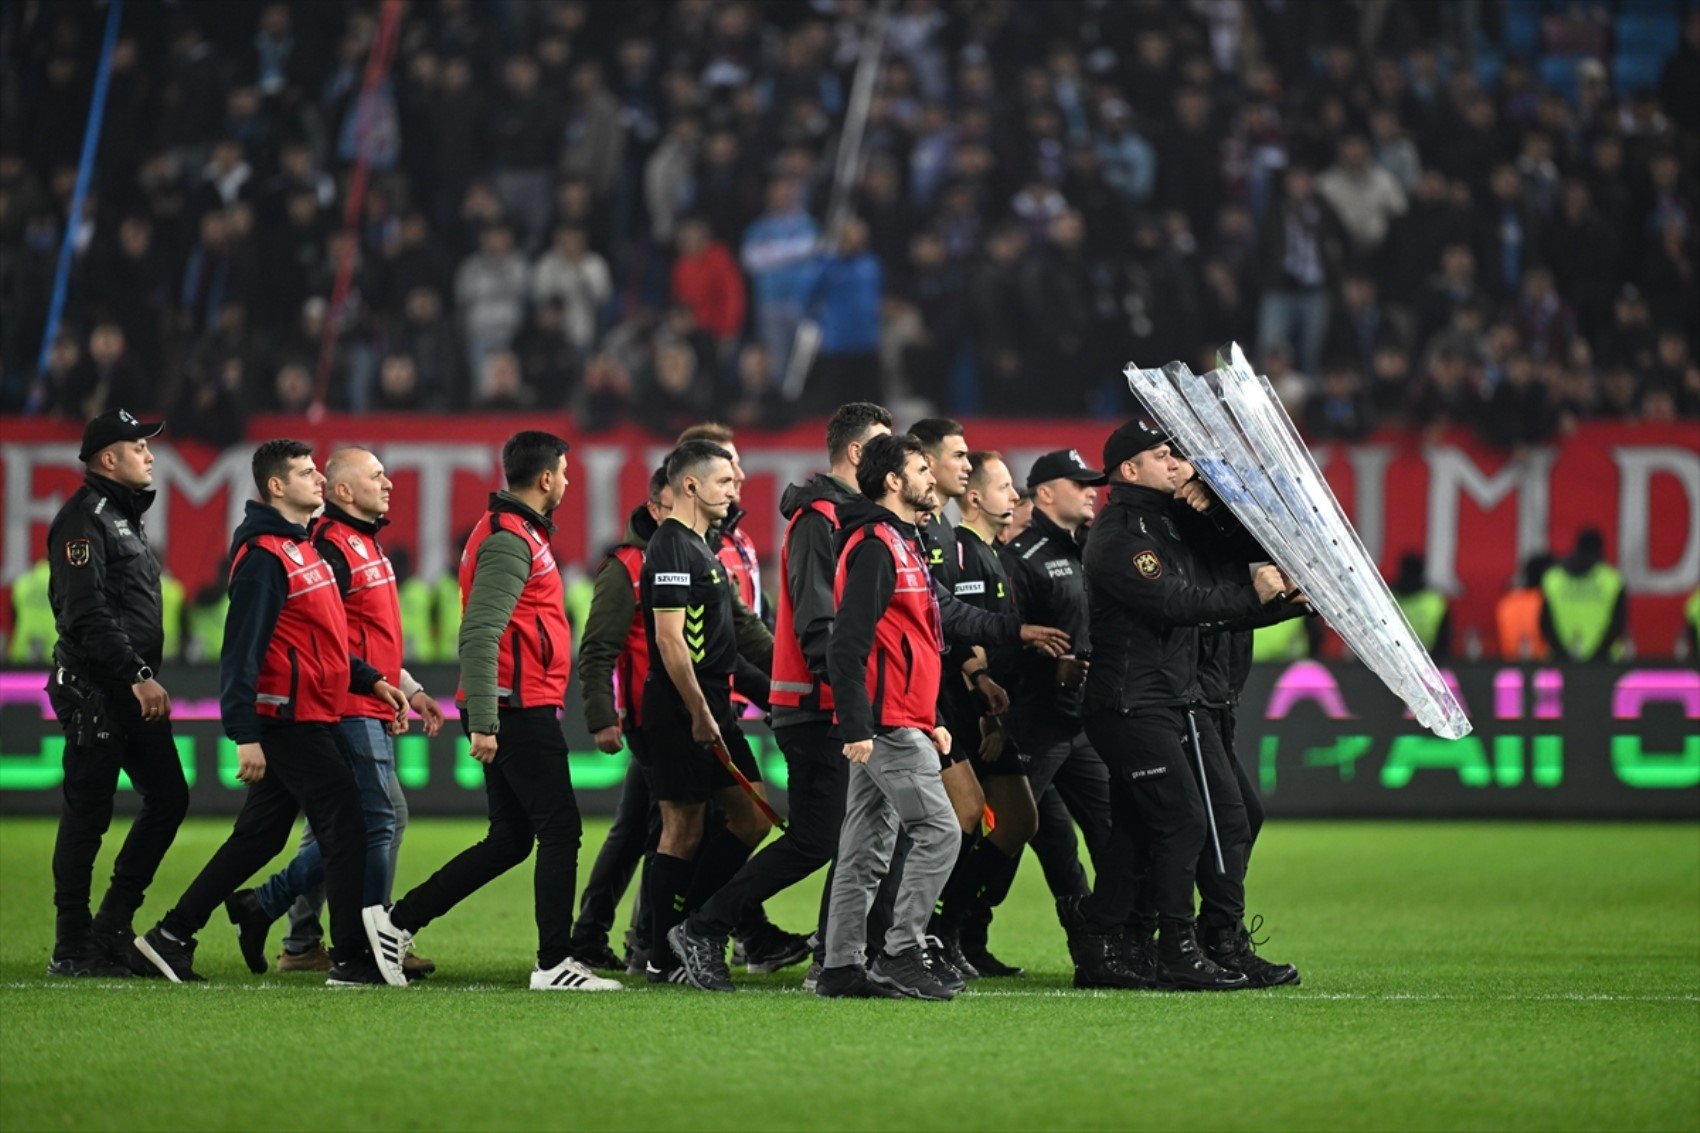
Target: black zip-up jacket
[1224,551]
[103,585]
[871,579]
[1050,588]
[812,564]
[1148,600]
[258,588]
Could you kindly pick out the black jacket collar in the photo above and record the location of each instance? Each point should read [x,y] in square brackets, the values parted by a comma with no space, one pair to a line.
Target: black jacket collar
[504,501]
[263,519]
[1054,531]
[128,500]
[337,515]
[1135,496]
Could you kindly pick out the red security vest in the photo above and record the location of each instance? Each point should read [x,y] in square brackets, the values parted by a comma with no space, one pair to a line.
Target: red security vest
[631,668]
[794,686]
[372,607]
[906,662]
[304,676]
[536,657]
[737,554]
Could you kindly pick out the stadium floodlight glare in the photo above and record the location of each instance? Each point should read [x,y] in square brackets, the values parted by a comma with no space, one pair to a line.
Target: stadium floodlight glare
[1241,441]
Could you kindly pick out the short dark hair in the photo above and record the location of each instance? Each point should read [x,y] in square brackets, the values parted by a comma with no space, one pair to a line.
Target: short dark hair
[272,459]
[883,456]
[529,454]
[657,481]
[931,431]
[977,462]
[689,458]
[707,431]
[850,423]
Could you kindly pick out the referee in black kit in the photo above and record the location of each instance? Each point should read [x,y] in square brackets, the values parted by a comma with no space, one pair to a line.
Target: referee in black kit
[1147,602]
[103,585]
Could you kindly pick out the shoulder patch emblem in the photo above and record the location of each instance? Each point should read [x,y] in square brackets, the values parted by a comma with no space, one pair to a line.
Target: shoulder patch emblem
[294,554]
[359,546]
[77,552]
[1148,565]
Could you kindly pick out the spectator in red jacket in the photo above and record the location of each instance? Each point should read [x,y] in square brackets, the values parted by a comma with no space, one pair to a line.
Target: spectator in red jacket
[706,279]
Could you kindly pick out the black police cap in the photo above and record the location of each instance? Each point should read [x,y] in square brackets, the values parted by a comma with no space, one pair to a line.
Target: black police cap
[113,426]
[1130,440]
[1064,464]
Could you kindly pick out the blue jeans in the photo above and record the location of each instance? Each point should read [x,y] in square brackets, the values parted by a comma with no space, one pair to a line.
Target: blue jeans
[1297,318]
[371,757]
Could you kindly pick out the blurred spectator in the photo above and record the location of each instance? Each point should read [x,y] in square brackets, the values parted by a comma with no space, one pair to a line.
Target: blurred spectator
[1127,161]
[706,279]
[1585,608]
[671,397]
[1520,409]
[1339,410]
[1544,320]
[1446,395]
[524,142]
[576,277]
[1517,617]
[1366,197]
[490,292]
[212,406]
[669,178]
[292,388]
[1005,320]
[778,254]
[547,358]
[501,385]
[845,301]
[595,139]
[398,386]
[759,404]
[1302,249]
[1424,607]
[107,378]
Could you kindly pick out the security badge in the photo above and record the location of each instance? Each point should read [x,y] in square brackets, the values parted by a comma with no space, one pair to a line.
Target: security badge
[294,554]
[359,546]
[77,552]
[1148,565]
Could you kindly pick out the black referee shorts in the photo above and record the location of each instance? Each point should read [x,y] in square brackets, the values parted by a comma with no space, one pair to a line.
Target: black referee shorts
[681,770]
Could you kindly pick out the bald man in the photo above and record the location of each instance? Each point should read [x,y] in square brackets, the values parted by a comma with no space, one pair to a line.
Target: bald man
[357,500]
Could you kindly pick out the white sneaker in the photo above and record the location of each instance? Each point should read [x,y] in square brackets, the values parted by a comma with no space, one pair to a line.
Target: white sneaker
[570,975]
[390,945]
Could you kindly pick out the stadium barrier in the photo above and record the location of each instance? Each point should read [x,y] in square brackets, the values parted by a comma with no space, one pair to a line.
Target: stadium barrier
[1322,740]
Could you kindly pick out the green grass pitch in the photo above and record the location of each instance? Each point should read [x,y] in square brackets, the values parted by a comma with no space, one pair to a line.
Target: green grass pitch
[1457,976]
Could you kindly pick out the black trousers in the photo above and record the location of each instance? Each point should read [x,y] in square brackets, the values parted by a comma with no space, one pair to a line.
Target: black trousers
[1064,758]
[308,768]
[1158,819]
[634,832]
[105,734]
[818,780]
[529,793]
[1227,724]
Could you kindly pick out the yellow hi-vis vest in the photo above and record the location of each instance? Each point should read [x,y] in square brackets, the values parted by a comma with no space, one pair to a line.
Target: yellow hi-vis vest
[1425,610]
[1581,608]
[1283,641]
[33,630]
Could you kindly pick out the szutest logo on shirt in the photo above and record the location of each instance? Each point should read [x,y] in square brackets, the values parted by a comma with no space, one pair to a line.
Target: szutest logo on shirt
[672,579]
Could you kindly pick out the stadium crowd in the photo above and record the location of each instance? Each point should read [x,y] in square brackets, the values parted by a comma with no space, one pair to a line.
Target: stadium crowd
[1464,213]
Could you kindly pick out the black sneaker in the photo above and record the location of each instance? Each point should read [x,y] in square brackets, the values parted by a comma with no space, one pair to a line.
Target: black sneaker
[597,954]
[84,958]
[252,925]
[971,943]
[949,973]
[770,948]
[851,981]
[909,973]
[119,946]
[362,971]
[703,958]
[175,960]
[1234,949]
[1183,966]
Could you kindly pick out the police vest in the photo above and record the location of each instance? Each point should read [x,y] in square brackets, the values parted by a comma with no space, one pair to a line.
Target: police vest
[1283,641]
[907,658]
[304,675]
[1425,610]
[535,658]
[418,638]
[371,607]
[1581,608]
[794,685]
[171,616]
[631,667]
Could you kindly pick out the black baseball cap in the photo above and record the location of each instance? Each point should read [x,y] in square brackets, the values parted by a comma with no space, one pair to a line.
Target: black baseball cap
[1132,439]
[113,426]
[1064,464]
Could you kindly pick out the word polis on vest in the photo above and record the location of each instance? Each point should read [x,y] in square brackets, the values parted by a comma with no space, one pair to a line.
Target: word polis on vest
[1475,512]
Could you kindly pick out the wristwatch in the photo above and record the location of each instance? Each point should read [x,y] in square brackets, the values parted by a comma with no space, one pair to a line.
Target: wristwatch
[143,675]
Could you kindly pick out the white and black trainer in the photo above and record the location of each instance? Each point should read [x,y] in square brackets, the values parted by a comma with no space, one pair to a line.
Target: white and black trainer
[390,945]
[570,975]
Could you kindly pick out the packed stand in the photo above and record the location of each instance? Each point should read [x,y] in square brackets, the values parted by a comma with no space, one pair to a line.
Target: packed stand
[1435,214]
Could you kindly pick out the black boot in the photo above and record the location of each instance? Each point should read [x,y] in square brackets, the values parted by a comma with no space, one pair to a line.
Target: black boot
[972,940]
[1138,949]
[1183,966]
[1097,955]
[1234,949]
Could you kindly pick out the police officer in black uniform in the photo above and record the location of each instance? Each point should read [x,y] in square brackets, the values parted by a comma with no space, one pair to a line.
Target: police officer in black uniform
[1224,550]
[1147,604]
[104,590]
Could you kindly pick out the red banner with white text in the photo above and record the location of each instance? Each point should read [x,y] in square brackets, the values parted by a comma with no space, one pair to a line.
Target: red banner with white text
[1475,512]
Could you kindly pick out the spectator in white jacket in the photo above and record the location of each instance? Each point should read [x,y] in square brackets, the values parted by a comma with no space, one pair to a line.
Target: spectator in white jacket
[579,278]
[490,293]
[1365,196]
